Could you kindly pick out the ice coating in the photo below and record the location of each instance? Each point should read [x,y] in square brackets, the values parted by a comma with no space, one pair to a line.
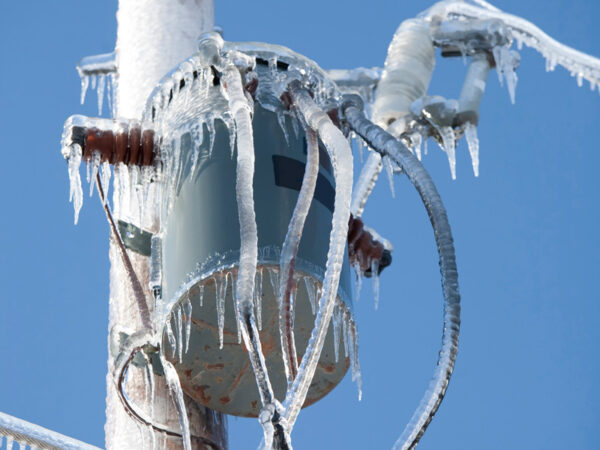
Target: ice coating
[579,64]
[75,191]
[26,433]
[473,144]
[289,251]
[365,183]
[384,143]
[241,109]
[341,157]
[177,396]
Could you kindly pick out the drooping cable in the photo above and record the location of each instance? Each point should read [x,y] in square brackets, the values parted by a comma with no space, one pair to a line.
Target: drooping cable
[387,145]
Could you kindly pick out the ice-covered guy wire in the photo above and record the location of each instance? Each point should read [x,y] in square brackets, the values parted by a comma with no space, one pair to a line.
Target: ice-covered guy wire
[385,144]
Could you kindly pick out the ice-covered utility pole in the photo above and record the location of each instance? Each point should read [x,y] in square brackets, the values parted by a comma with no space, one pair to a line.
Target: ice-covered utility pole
[152,37]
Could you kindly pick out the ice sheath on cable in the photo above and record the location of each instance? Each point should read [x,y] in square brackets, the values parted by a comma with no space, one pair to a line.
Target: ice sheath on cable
[289,251]
[240,109]
[340,154]
[385,144]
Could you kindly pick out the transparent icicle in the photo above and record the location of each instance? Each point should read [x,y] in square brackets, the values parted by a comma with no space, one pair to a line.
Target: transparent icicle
[341,157]
[95,164]
[179,322]
[354,362]
[105,178]
[359,276]
[335,323]
[75,191]
[9,443]
[151,387]
[85,82]
[505,67]
[344,324]
[365,183]
[283,126]
[473,144]
[201,296]
[100,92]
[449,146]
[375,281]
[221,291]
[171,337]
[258,297]
[311,291]
[187,305]
[289,251]
[235,309]
[241,112]
[389,170]
[176,392]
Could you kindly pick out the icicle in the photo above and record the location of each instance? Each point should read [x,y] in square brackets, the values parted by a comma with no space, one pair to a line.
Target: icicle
[100,91]
[171,337]
[179,324]
[416,140]
[312,295]
[93,78]
[448,145]
[274,279]
[85,81]
[75,191]
[235,309]
[341,157]
[201,295]
[221,290]
[505,67]
[211,136]
[295,126]
[389,170]
[282,125]
[473,144]
[187,305]
[335,322]
[365,183]
[354,362]
[172,380]
[359,276]
[95,163]
[258,297]
[9,443]
[344,331]
[375,278]
[105,178]
[150,382]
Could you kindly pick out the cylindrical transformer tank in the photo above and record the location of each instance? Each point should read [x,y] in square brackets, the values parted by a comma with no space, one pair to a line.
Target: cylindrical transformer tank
[198,247]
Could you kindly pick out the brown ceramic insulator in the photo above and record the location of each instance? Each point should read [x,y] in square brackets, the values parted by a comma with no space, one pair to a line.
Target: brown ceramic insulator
[362,248]
[147,147]
[121,146]
[99,141]
[135,144]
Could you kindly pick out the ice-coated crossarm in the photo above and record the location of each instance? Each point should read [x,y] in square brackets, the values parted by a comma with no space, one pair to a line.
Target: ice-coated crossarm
[26,433]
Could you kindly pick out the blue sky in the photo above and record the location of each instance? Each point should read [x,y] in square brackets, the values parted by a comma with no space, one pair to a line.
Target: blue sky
[525,231]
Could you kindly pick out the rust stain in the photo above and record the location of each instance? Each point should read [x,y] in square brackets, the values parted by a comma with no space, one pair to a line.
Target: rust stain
[188,373]
[224,400]
[237,380]
[214,366]
[201,392]
[210,326]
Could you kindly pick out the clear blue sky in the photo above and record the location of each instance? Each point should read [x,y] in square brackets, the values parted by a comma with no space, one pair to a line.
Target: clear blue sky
[525,230]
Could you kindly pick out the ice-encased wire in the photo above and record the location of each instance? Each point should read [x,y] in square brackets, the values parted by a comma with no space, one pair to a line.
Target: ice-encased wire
[289,251]
[341,157]
[385,144]
[579,64]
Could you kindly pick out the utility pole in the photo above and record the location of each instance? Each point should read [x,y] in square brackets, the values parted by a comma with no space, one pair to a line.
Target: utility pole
[152,37]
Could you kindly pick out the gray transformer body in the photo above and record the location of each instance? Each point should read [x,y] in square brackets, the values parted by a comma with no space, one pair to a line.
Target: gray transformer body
[200,252]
